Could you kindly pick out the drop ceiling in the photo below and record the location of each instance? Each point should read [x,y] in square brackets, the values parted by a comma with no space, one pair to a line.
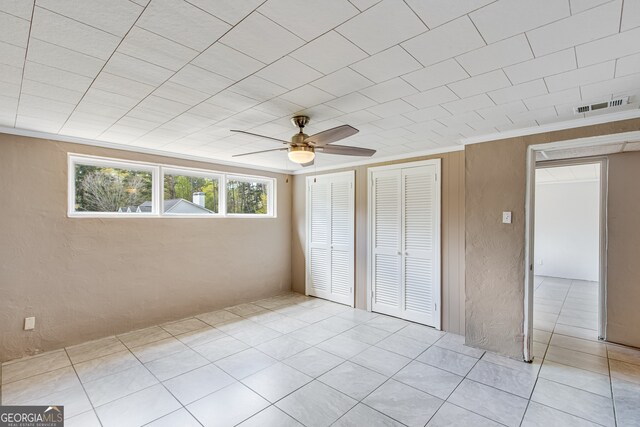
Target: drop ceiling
[416,75]
[566,174]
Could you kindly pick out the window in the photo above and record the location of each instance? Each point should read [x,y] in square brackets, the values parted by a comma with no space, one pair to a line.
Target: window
[100,187]
[188,193]
[248,196]
[107,187]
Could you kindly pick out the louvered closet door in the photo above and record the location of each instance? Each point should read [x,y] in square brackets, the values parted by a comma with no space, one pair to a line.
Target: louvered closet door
[419,238]
[404,240]
[386,259]
[330,249]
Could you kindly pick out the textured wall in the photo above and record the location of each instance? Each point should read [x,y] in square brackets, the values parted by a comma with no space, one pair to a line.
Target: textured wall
[623,269]
[495,182]
[452,236]
[86,278]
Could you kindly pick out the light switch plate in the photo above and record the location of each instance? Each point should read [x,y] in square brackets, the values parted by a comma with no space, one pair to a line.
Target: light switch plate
[29,323]
[506,217]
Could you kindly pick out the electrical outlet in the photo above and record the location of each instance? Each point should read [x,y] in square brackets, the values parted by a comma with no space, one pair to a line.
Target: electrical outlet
[29,323]
[506,217]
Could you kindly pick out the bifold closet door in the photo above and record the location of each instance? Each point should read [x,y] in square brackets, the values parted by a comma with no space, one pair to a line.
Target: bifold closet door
[405,244]
[330,243]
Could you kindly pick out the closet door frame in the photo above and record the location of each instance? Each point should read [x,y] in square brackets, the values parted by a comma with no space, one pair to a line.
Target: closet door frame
[438,239]
[350,177]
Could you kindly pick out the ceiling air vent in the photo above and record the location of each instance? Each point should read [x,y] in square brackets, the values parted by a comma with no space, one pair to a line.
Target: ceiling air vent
[601,105]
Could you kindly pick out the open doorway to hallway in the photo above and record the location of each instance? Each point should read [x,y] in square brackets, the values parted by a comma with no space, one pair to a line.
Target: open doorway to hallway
[567,251]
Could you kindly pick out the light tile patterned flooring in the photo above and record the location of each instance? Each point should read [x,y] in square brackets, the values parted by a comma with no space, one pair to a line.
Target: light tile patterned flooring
[292,360]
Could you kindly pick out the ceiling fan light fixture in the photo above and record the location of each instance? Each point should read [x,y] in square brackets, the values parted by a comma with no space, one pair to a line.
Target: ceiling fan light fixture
[301,154]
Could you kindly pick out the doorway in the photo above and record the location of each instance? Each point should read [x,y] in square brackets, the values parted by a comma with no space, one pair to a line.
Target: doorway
[567,249]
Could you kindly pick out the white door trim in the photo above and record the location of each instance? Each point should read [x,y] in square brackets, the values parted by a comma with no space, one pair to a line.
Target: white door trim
[350,175]
[438,255]
[530,229]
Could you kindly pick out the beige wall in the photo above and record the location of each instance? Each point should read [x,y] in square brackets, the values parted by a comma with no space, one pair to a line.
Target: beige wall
[623,269]
[495,182]
[86,278]
[452,236]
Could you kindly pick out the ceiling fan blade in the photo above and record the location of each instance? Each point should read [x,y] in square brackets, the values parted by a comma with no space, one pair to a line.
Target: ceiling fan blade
[331,135]
[346,151]
[261,136]
[304,165]
[258,152]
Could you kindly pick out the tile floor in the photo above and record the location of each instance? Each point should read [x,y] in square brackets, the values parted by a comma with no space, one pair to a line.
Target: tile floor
[292,360]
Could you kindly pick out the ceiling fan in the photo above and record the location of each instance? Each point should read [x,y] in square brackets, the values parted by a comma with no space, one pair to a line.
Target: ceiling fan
[302,147]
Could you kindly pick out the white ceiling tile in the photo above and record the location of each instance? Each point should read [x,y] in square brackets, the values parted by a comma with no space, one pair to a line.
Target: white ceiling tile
[431,97]
[382,26]
[115,16]
[261,38]
[257,88]
[352,102]
[51,92]
[521,91]
[552,99]
[426,114]
[329,53]
[437,12]
[136,69]
[320,113]
[581,28]
[619,86]
[311,20]
[630,15]
[279,107]
[611,47]
[358,117]
[495,113]
[162,105]
[392,122]
[105,112]
[14,30]
[155,49]
[468,104]
[480,84]
[387,64]
[289,73]
[506,18]
[99,96]
[391,108]
[65,32]
[39,124]
[180,93]
[546,113]
[9,74]
[20,8]
[581,76]
[449,40]
[364,4]
[389,90]
[12,55]
[227,62]
[182,22]
[123,86]
[628,65]
[307,96]
[490,125]
[212,112]
[497,55]
[53,76]
[12,90]
[230,11]
[554,63]
[342,82]
[436,75]
[253,117]
[64,59]
[578,6]
[136,123]
[232,101]
[200,80]
[48,105]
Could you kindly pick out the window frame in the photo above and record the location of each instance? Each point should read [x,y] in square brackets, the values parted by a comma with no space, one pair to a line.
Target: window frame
[198,173]
[75,160]
[271,195]
[158,171]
